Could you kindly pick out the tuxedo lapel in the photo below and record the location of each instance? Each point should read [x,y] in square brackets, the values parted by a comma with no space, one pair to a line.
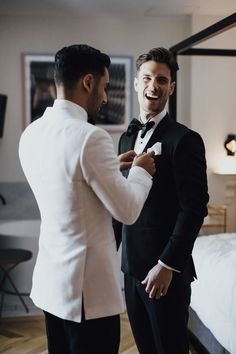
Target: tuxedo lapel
[127,143]
[159,131]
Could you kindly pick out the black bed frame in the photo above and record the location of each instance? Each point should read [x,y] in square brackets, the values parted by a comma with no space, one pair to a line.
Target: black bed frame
[185,48]
[200,336]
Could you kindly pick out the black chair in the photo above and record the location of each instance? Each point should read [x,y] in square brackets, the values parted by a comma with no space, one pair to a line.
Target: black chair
[10,258]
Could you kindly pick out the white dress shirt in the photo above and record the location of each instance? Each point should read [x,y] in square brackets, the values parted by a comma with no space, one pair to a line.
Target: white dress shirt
[140,143]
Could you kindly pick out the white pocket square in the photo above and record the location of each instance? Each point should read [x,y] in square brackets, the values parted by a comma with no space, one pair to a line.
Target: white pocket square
[156,148]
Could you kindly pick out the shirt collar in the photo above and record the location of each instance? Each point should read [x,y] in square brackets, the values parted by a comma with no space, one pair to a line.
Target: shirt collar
[156,118]
[62,103]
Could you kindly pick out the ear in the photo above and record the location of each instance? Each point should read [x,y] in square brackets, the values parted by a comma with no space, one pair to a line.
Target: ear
[172,88]
[136,84]
[88,82]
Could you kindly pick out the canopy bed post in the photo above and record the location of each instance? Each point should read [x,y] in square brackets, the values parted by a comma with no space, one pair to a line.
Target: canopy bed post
[185,48]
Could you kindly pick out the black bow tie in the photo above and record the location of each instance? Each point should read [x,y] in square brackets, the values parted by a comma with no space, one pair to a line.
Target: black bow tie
[135,125]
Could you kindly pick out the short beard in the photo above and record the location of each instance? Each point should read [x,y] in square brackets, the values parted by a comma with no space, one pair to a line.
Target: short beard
[91,120]
[92,115]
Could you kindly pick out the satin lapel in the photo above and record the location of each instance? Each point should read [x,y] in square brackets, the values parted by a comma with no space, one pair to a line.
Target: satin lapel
[126,143]
[159,131]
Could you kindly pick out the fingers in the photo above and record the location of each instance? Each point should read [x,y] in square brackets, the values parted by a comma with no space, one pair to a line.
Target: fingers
[160,293]
[157,281]
[145,161]
[125,165]
[163,291]
[154,290]
[127,156]
[149,286]
[151,153]
[145,280]
[126,160]
[157,293]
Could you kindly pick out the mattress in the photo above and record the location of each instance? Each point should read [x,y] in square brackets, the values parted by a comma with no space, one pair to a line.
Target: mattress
[214,293]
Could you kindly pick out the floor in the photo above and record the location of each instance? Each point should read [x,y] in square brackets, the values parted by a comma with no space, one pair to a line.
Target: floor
[22,333]
[27,336]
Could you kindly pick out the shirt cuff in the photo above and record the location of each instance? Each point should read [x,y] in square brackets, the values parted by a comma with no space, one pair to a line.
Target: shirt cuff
[141,171]
[166,266]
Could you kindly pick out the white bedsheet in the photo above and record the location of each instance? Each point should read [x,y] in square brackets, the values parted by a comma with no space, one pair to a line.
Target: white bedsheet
[214,293]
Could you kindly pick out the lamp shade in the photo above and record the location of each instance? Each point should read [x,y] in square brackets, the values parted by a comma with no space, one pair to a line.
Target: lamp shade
[230,144]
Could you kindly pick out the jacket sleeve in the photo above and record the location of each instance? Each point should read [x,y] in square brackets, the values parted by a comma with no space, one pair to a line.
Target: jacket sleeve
[123,198]
[189,168]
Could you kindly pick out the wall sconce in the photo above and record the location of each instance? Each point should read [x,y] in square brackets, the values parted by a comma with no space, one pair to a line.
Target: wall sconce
[230,144]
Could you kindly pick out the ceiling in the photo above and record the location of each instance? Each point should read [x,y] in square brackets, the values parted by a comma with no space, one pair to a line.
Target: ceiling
[114,8]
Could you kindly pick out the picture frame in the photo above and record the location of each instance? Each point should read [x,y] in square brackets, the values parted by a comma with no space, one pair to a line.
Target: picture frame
[115,115]
[40,92]
[38,85]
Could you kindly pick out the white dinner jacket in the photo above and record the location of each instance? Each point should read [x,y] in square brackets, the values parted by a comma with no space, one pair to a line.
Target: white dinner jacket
[73,171]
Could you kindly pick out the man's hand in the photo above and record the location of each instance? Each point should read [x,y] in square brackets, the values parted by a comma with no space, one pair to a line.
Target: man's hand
[157,281]
[146,161]
[126,159]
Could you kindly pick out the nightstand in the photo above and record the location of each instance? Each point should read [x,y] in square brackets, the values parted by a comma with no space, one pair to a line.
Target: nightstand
[215,222]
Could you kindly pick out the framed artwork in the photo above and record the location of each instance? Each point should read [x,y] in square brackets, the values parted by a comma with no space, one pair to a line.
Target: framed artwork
[40,91]
[39,87]
[115,115]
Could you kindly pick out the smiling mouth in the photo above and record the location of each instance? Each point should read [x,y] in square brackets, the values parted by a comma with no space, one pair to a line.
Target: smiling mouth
[151,97]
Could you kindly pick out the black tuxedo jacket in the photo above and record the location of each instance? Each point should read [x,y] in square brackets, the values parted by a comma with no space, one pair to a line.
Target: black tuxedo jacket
[175,208]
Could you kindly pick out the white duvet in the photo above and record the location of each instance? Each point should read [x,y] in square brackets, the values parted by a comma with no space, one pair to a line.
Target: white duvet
[214,293]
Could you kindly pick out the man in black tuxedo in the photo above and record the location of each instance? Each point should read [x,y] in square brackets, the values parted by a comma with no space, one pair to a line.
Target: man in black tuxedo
[156,250]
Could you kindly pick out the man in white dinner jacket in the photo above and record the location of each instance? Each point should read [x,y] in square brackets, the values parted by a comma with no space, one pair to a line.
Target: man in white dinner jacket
[75,176]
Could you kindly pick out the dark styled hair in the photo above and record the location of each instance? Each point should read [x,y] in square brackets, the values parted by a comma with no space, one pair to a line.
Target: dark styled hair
[159,55]
[75,61]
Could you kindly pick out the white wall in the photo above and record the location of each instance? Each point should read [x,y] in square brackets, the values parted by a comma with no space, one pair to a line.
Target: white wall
[206,85]
[127,36]
[213,94]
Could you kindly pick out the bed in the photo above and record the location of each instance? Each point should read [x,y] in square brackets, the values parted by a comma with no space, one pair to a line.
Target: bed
[213,304]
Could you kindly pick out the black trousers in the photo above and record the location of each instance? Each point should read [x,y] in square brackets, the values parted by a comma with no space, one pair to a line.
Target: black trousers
[159,326]
[97,336]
